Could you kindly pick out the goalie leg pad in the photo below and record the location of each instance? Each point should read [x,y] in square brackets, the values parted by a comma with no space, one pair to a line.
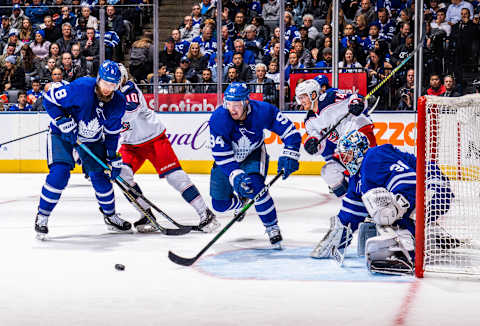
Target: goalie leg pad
[337,237]
[366,231]
[391,252]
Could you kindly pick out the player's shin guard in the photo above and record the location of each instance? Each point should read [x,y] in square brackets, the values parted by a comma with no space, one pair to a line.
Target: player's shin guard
[56,181]
[104,192]
[179,180]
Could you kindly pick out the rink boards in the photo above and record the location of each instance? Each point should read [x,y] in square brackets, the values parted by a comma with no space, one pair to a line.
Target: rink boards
[189,135]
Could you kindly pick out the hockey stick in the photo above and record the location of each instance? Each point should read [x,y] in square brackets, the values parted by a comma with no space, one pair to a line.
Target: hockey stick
[419,46]
[149,216]
[171,220]
[119,179]
[14,140]
[189,261]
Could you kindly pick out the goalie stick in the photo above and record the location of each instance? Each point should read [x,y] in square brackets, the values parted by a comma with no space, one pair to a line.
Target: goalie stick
[189,261]
[119,179]
[20,138]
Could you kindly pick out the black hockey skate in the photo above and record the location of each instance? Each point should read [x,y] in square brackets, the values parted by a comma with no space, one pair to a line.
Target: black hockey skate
[275,236]
[115,223]
[41,226]
[144,225]
[208,222]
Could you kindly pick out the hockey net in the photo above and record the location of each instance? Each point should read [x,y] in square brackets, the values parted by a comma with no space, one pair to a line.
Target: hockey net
[448,136]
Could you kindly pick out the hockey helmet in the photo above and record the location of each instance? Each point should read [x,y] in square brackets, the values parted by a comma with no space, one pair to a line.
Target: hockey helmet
[109,72]
[307,87]
[322,80]
[351,149]
[236,92]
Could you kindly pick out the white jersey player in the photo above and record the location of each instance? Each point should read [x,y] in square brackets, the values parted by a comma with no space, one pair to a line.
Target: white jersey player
[325,108]
[143,138]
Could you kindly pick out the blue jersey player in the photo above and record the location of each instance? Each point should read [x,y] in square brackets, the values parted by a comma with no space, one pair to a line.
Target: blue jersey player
[382,187]
[91,111]
[241,161]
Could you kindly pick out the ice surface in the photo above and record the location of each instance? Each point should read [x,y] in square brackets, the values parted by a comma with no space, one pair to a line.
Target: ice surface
[71,279]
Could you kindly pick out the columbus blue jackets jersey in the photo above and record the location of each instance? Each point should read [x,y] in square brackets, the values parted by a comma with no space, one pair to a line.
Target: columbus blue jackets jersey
[140,123]
[232,141]
[94,118]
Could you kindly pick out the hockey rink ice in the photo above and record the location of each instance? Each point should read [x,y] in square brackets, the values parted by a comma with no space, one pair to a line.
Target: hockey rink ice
[71,280]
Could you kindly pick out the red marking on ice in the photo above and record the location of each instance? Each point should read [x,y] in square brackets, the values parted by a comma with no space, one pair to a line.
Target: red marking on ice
[407,303]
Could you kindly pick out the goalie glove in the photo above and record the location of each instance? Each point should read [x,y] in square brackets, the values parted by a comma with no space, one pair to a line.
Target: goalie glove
[385,207]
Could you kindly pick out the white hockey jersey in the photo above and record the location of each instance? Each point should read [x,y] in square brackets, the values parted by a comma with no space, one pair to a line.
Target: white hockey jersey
[317,124]
[140,124]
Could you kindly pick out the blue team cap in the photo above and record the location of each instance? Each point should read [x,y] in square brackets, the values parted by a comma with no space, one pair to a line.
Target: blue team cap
[16,7]
[375,24]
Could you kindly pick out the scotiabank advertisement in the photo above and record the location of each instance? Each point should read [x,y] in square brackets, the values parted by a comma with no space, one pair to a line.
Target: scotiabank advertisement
[189,136]
[194,102]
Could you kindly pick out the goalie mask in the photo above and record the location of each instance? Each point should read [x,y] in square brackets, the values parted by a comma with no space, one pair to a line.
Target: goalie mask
[351,149]
[309,88]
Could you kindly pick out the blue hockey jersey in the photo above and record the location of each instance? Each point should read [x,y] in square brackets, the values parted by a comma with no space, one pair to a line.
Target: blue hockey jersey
[383,166]
[95,119]
[232,141]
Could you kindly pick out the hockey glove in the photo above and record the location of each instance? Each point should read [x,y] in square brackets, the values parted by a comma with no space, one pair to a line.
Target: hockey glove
[243,185]
[288,162]
[68,127]
[115,164]
[311,145]
[356,107]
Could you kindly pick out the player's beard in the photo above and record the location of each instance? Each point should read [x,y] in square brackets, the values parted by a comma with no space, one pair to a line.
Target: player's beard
[101,97]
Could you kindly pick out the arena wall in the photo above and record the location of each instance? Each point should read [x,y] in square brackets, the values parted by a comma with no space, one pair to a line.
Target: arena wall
[189,135]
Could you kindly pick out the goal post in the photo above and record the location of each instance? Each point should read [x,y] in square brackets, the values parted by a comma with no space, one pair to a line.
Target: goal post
[448,225]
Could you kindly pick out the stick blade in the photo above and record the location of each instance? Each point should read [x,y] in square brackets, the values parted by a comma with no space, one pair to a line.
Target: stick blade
[180,231]
[181,260]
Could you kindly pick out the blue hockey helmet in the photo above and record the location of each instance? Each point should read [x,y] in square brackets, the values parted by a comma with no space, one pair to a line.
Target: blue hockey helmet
[237,92]
[109,72]
[322,80]
[352,149]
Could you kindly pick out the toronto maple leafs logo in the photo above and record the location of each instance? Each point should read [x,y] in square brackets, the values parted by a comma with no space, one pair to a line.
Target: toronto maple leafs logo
[90,129]
[242,148]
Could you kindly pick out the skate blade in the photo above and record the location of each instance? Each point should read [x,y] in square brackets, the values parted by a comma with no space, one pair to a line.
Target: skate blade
[41,236]
[115,230]
[277,246]
[211,227]
[146,229]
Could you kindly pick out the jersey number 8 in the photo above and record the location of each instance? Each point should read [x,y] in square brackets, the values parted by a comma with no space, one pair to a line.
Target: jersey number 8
[281,118]
[61,93]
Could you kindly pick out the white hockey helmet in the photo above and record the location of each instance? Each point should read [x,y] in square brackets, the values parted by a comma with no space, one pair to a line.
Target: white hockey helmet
[307,87]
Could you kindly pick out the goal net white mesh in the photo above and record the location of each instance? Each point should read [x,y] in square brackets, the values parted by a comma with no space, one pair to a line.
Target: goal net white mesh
[452,142]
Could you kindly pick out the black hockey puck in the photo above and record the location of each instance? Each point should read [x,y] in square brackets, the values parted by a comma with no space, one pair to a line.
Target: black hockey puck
[119,267]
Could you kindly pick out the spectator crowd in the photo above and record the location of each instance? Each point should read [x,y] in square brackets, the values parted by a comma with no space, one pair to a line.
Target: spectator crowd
[375,36]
